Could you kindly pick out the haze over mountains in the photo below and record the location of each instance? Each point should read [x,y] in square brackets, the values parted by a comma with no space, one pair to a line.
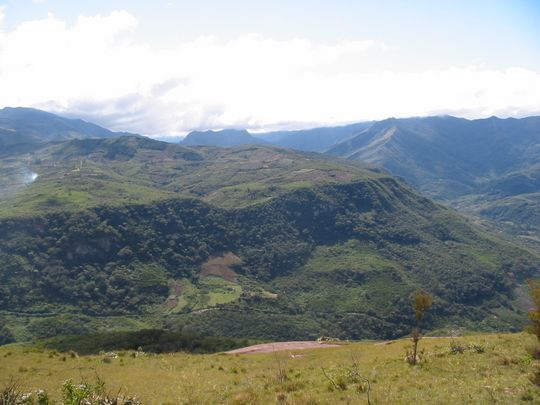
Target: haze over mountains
[224,138]
[309,140]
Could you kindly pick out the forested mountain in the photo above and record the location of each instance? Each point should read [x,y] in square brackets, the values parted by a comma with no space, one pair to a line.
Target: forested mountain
[29,126]
[252,241]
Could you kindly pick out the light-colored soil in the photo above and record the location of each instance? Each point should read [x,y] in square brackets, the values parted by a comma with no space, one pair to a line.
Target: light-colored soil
[280,346]
[221,266]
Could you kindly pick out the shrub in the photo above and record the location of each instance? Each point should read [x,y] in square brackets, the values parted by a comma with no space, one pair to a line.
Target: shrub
[11,395]
[422,301]
[88,394]
[456,347]
[477,348]
[535,377]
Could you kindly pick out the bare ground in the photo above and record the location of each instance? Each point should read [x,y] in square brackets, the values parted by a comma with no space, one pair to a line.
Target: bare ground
[280,346]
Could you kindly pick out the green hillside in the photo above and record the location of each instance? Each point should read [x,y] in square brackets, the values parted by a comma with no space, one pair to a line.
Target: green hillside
[250,242]
[84,173]
[487,168]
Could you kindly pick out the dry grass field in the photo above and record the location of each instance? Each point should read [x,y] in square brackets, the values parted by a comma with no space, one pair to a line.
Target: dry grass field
[480,369]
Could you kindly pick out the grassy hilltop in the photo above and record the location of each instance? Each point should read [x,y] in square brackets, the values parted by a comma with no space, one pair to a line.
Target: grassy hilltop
[491,369]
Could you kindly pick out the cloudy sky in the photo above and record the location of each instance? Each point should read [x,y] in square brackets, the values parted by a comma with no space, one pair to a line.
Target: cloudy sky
[167,67]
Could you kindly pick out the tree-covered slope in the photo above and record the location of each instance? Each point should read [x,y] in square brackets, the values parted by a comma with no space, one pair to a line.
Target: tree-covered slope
[252,242]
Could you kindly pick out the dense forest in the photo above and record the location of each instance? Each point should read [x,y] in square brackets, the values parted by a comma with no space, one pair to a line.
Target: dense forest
[66,270]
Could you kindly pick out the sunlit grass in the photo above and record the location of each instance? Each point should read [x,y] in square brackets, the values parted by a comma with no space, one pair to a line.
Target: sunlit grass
[492,369]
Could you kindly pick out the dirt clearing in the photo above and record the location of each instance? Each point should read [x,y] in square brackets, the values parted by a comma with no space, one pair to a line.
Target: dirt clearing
[280,346]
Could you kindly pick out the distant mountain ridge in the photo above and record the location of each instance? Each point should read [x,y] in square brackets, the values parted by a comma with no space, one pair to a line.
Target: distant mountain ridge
[488,167]
[223,138]
[307,140]
[29,126]
[465,153]
[314,139]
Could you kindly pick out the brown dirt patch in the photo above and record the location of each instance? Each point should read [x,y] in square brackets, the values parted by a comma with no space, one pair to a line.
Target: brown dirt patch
[280,346]
[220,266]
[175,288]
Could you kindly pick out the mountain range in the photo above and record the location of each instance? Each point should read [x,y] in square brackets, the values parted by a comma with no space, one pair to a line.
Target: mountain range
[309,140]
[258,241]
[224,138]
[487,168]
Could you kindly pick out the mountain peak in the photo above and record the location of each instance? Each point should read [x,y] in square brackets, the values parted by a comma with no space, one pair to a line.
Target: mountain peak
[225,137]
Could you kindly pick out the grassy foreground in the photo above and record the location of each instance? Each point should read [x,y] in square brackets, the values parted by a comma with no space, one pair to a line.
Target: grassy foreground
[491,369]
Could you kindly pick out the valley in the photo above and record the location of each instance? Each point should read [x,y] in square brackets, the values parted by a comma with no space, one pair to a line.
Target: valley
[255,203]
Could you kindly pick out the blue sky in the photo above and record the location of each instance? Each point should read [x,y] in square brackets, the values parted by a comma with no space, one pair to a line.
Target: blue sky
[336,61]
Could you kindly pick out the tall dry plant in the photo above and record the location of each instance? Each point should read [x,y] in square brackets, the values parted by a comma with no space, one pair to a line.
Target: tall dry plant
[422,301]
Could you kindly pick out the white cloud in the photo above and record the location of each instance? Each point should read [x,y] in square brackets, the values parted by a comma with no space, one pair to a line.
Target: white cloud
[96,69]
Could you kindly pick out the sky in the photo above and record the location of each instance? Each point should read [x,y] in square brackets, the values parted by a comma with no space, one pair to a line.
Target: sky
[168,67]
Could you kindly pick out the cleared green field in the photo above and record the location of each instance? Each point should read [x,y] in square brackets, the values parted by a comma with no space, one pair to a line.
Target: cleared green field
[491,369]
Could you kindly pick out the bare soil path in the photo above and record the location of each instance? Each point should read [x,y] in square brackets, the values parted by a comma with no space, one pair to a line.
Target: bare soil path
[280,346]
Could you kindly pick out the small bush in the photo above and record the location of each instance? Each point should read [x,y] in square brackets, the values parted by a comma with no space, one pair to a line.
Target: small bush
[535,377]
[526,360]
[87,394]
[476,348]
[11,395]
[456,347]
